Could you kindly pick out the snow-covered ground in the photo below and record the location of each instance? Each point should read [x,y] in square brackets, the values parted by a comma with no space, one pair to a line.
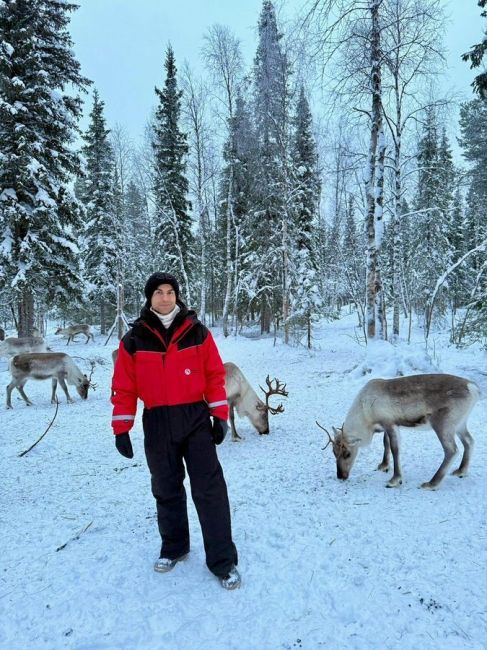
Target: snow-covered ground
[325,564]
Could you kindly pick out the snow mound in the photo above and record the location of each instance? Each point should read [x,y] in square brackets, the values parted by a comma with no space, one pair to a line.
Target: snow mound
[382,359]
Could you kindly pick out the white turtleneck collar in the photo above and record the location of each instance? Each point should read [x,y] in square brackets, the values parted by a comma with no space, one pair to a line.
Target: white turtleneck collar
[167,319]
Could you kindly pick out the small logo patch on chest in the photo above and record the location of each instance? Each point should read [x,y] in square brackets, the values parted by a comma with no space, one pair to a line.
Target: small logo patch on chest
[187,371]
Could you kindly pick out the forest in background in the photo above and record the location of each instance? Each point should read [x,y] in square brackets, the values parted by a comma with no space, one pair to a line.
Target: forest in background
[274,208]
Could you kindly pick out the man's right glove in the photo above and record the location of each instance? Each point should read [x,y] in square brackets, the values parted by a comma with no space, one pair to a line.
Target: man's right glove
[124,446]
[219,430]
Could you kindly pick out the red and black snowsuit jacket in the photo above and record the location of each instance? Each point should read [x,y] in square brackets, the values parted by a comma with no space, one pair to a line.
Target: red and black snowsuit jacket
[171,367]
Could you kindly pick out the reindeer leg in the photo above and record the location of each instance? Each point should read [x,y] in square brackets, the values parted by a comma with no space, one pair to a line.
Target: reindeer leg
[393,436]
[69,339]
[441,427]
[10,388]
[53,394]
[467,442]
[235,436]
[87,338]
[62,383]
[20,388]
[384,465]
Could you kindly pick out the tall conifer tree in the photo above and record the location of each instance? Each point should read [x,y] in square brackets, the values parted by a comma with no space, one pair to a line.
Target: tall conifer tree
[271,99]
[39,216]
[100,249]
[307,300]
[174,240]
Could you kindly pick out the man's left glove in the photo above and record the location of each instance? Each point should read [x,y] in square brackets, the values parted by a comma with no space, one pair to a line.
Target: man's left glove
[219,430]
[124,446]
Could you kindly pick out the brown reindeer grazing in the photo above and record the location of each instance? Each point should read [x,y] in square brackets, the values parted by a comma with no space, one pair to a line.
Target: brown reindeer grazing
[44,365]
[241,396]
[443,402]
[73,330]
[12,345]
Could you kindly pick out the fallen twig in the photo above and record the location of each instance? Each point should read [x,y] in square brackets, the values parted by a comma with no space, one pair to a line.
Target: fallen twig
[73,539]
[50,425]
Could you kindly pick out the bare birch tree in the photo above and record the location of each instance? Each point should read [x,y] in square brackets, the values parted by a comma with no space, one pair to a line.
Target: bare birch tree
[224,60]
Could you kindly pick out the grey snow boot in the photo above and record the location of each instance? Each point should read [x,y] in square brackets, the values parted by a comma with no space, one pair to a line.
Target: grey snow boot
[165,564]
[232,580]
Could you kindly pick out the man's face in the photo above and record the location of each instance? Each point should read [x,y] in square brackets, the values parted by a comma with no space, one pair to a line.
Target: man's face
[163,299]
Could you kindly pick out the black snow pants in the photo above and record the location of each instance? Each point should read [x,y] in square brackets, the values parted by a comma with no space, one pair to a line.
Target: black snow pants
[171,434]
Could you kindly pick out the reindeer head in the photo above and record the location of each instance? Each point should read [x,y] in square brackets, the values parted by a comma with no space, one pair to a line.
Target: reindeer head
[84,383]
[344,450]
[262,425]
[82,386]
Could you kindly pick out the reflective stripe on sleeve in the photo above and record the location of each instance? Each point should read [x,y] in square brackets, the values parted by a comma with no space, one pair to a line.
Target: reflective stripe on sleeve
[214,404]
[125,418]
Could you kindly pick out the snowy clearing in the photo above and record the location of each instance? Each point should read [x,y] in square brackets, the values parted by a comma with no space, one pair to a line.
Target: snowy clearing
[325,564]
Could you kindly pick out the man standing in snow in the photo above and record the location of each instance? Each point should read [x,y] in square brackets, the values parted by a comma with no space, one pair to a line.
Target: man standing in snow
[170,361]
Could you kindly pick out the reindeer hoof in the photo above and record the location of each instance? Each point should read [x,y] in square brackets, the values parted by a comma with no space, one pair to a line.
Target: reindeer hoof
[382,467]
[394,482]
[428,486]
[460,473]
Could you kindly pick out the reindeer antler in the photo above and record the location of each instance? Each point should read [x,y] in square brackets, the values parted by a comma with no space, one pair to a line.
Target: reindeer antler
[92,366]
[330,439]
[278,389]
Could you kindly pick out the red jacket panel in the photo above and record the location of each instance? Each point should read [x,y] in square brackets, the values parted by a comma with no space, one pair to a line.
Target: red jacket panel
[167,376]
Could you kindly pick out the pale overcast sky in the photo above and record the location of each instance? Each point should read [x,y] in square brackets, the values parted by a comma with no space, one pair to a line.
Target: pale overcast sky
[121,45]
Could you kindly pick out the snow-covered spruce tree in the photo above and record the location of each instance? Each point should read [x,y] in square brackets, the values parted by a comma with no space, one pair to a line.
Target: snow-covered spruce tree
[473,118]
[39,216]
[101,252]
[138,263]
[237,186]
[432,250]
[174,243]
[307,302]
[270,216]
[476,57]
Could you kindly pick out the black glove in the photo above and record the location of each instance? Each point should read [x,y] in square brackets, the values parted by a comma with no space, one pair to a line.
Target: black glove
[124,446]
[219,430]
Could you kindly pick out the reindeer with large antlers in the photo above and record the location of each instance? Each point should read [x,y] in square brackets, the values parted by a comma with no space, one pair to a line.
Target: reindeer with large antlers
[47,365]
[241,396]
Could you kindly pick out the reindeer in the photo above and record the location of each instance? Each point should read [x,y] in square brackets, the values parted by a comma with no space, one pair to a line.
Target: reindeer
[443,402]
[73,330]
[242,396]
[44,365]
[12,345]
[2,334]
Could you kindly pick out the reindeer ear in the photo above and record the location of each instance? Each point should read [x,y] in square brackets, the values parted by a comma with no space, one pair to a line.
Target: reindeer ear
[336,431]
[353,441]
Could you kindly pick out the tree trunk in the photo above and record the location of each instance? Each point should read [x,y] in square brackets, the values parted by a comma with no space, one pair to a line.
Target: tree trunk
[285,271]
[25,313]
[228,291]
[379,233]
[375,78]
[120,306]
[103,317]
